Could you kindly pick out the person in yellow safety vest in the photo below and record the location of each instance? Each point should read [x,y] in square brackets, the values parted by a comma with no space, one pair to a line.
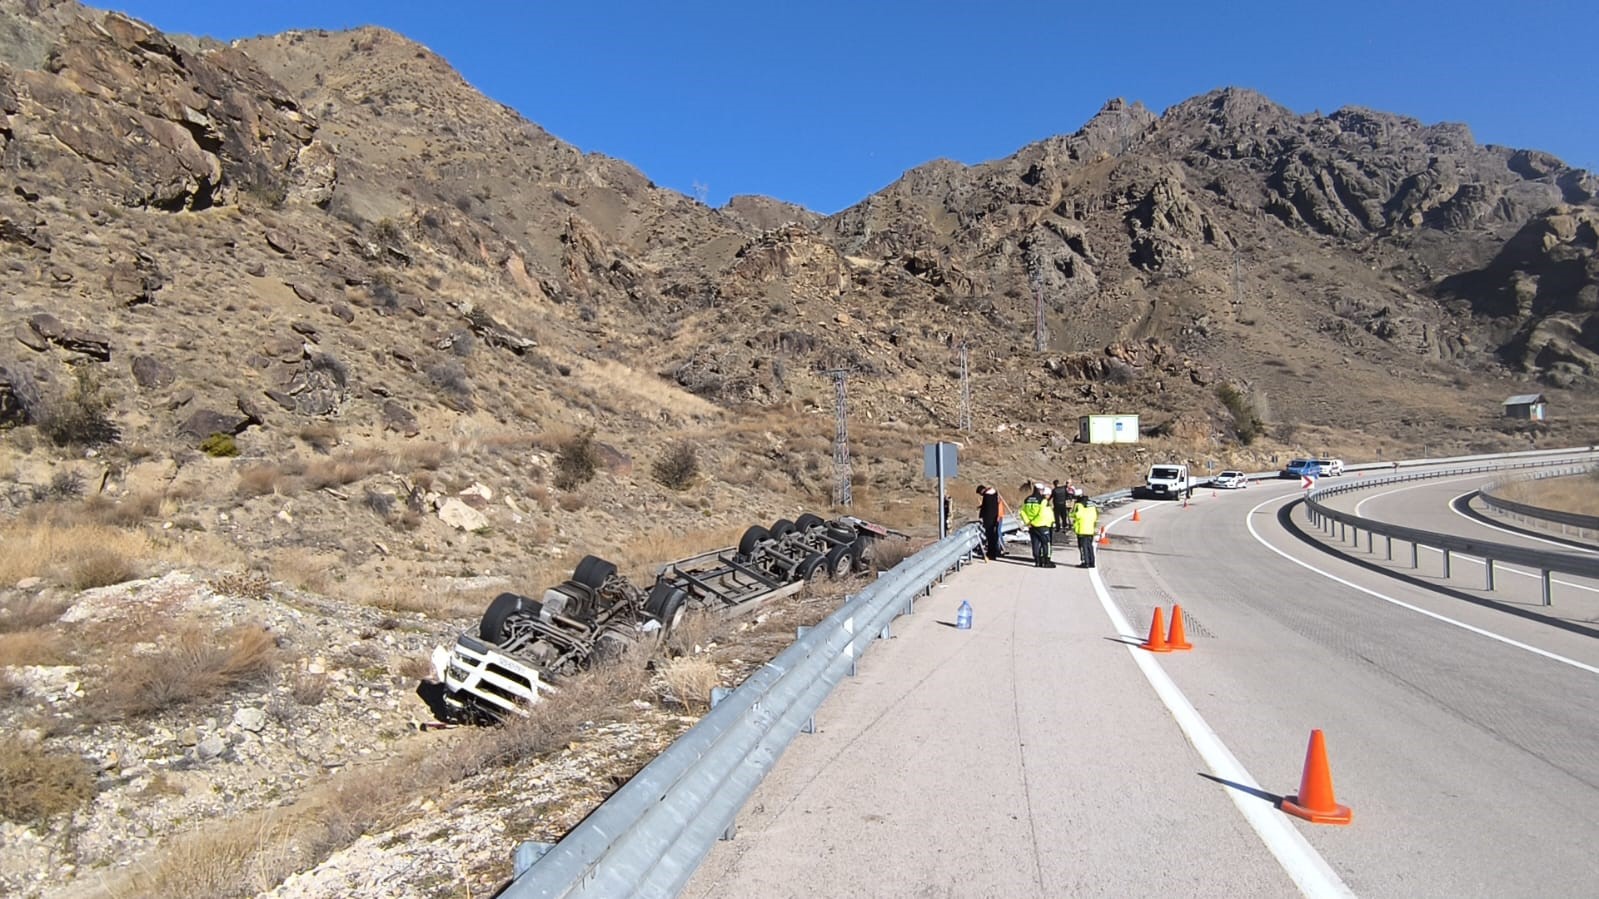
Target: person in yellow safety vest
[1085,521]
[1039,518]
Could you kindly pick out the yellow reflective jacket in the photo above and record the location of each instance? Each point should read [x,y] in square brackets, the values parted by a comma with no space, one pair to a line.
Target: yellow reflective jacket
[1036,513]
[1085,518]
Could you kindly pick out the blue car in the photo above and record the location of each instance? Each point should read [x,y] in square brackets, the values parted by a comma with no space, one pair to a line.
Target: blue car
[1299,468]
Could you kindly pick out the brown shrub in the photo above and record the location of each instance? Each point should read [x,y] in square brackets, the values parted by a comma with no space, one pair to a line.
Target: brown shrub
[572,502]
[690,679]
[36,785]
[320,436]
[345,469]
[887,552]
[130,510]
[265,478]
[46,549]
[25,613]
[191,666]
[699,630]
[100,566]
[35,647]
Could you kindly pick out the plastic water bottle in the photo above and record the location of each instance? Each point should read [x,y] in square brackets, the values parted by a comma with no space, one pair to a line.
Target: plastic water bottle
[963,616]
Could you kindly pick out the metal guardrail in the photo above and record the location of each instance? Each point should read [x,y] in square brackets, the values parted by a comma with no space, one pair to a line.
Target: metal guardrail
[1546,562]
[1539,514]
[647,839]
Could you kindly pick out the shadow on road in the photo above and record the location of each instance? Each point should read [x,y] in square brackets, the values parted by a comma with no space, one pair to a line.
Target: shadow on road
[1256,792]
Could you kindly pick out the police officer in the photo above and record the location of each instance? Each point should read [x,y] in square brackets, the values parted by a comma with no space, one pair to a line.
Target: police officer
[1085,521]
[989,511]
[1039,518]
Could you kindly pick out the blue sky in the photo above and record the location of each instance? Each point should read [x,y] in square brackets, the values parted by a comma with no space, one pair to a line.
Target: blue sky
[823,102]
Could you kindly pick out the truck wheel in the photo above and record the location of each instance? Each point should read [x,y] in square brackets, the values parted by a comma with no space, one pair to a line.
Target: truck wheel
[834,556]
[857,555]
[807,521]
[753,536]
[592,572]
[672,610]
[782,526]
[500,610]
[807,569]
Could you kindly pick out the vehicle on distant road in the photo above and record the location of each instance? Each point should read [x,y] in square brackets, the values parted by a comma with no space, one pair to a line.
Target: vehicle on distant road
[1299,468]
[1330,468]
[1168,480]
[1230,480]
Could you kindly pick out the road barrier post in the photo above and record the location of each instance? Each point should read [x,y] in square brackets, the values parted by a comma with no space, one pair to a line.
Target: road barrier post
[1488,565]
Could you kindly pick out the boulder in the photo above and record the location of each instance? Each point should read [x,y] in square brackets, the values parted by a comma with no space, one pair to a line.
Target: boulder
[457,514]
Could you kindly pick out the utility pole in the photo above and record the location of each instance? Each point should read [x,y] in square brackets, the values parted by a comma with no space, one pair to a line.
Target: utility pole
[841,495]
[1040,333]
[964,422]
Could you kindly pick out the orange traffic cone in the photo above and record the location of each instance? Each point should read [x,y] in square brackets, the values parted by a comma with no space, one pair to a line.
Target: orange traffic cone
[1104,538]
[1177,639]
[1185,502]
[1315,802]
[1135,515]
[1157,634]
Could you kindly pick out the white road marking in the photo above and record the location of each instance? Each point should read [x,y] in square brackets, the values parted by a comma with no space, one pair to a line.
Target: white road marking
[1504,530]
[1302,863]
[1250,522]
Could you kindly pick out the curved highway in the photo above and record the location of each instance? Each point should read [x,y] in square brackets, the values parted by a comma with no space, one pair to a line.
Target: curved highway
[1039,754]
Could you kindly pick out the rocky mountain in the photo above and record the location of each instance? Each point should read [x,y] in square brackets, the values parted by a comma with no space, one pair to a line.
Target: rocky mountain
[309,313]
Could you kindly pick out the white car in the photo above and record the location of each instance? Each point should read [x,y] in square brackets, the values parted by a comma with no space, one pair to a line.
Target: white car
[1230,480]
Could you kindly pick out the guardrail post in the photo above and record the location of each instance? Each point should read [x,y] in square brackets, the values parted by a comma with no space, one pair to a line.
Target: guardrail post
[1413,563]
[1446,563]
[1390,546]
[528,852]
[1546,587]
[1369,536]
[1488,564]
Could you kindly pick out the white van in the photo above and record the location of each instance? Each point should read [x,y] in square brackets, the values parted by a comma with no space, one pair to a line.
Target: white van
[1330,468]
[1168,480]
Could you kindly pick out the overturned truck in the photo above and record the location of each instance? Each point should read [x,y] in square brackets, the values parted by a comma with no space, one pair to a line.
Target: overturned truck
[523,645]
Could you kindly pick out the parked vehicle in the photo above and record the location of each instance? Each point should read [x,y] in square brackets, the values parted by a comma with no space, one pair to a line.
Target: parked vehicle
[1230,480]
[1330,468]
[1168,480]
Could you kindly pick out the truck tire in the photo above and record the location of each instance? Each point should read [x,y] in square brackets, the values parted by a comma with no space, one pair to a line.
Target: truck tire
[782,526]
[834,557]
[500,610]
[753,536]
[807,521]
[808,568]
[593,571]
[671,610]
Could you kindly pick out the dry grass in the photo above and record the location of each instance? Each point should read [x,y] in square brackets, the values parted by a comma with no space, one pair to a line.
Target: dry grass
[699,630]
[252,853]
[81,556]
[656,547]
[890,551]
[32,647]
[1577,494]
[36,785]
[303,568]
[689,680]
[25,613]
[193,665]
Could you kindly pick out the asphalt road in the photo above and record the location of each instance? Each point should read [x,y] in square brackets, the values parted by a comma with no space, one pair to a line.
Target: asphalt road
[1039,754]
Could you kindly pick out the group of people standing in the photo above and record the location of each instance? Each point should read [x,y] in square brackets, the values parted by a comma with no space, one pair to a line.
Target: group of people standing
[1046,509]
